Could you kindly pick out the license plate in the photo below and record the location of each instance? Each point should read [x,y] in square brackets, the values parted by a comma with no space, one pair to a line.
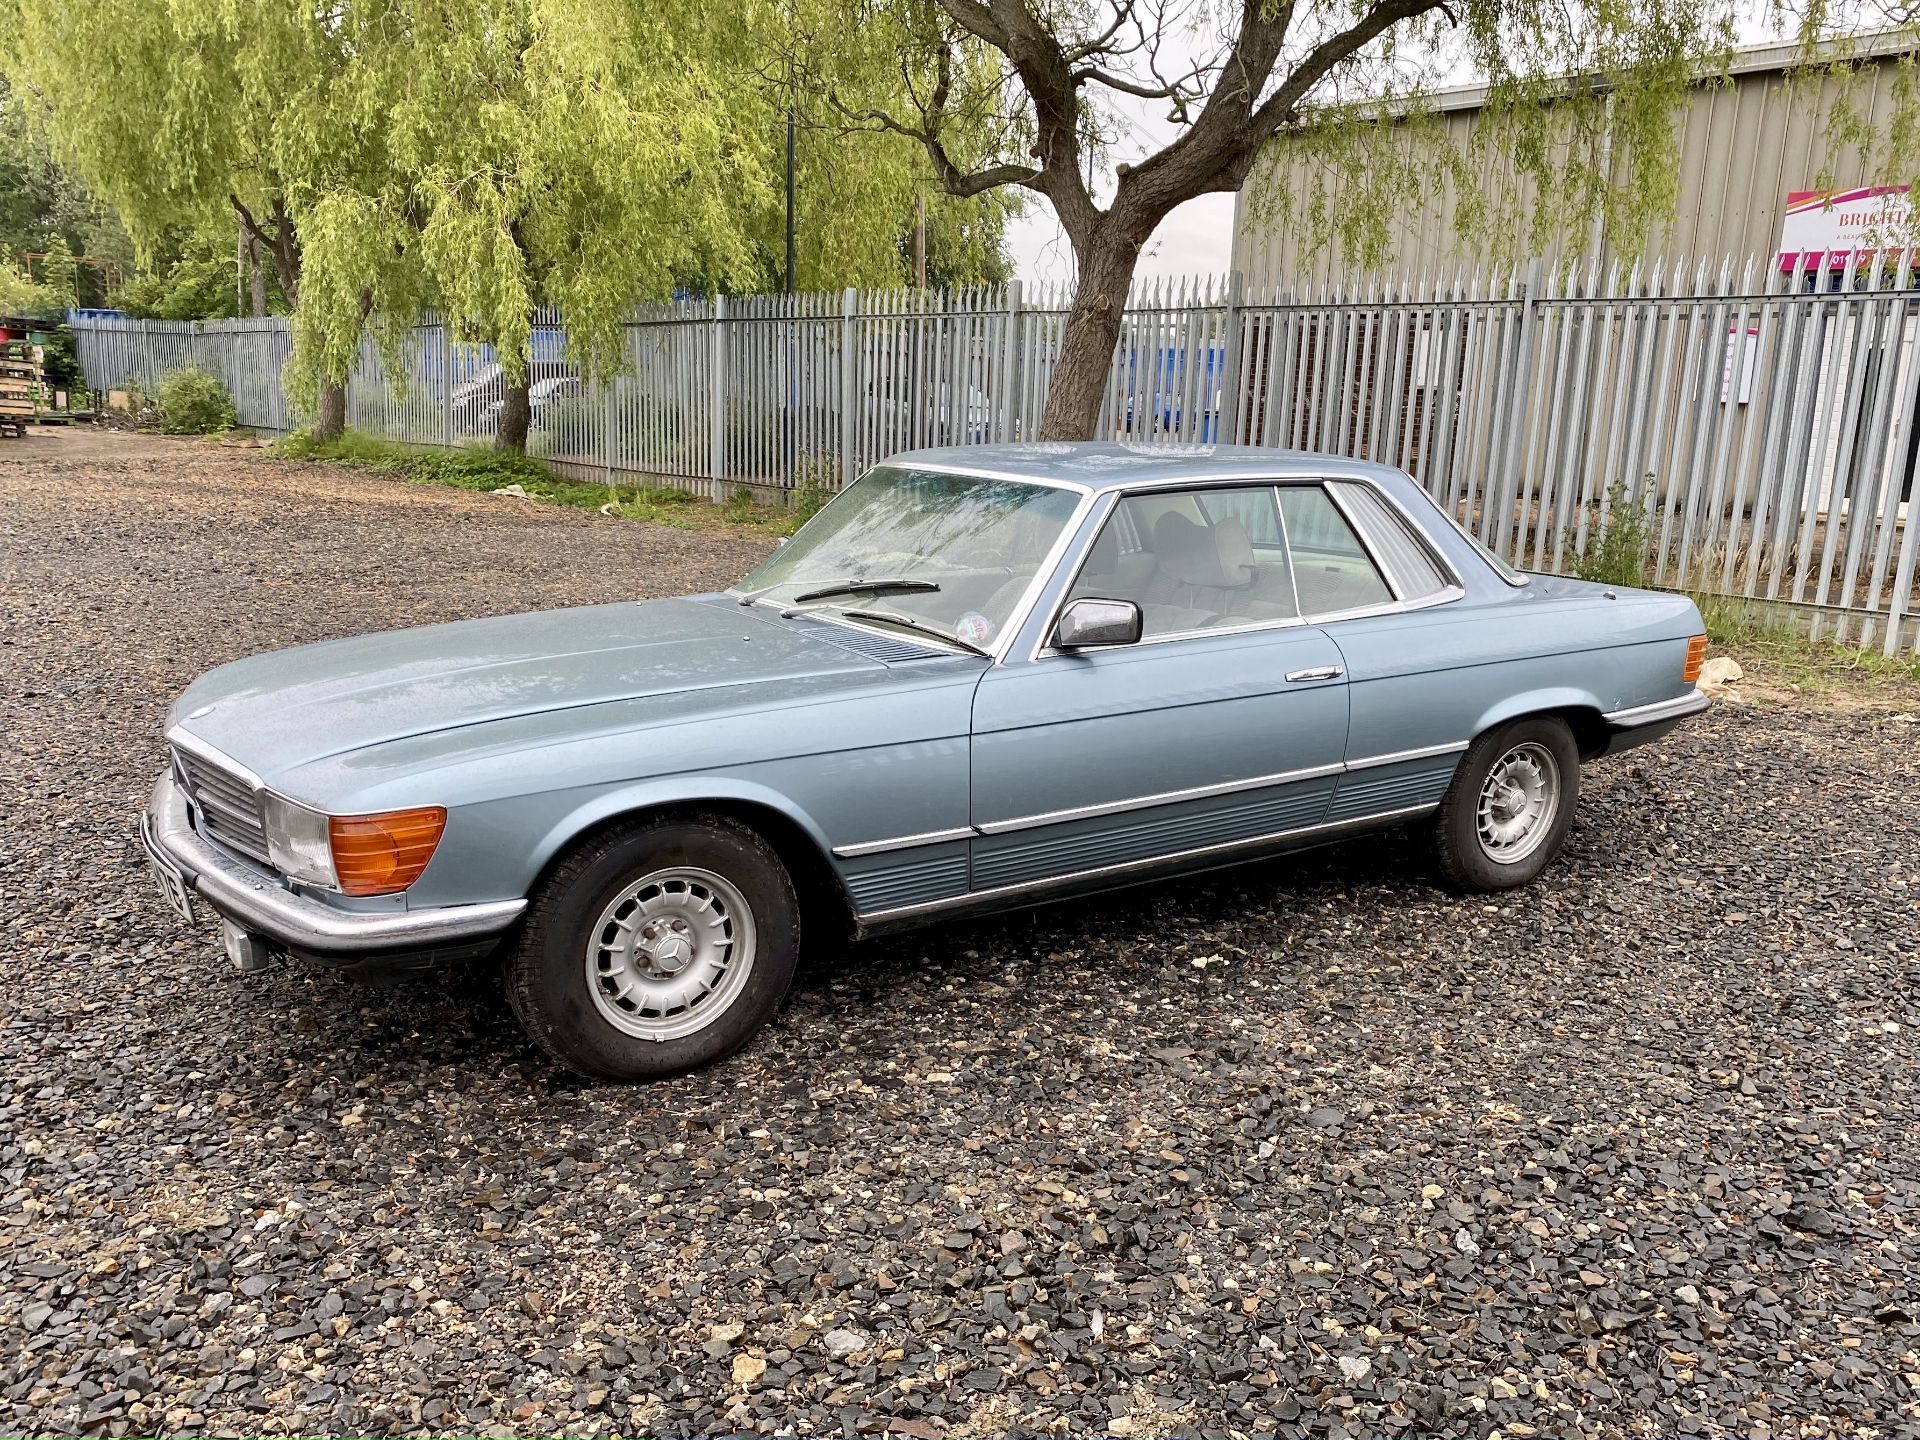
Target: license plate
[168,876]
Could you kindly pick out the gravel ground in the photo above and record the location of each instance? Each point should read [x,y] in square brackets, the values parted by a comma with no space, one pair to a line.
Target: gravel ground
[1306,1147]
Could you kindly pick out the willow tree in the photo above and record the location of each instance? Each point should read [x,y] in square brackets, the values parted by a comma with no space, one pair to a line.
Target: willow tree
[180,111]
[586,154]
[583,154]
[1057,86]
[858,198]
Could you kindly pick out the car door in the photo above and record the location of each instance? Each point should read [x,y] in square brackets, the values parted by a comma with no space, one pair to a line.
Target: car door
[1223,726]
[1373,584]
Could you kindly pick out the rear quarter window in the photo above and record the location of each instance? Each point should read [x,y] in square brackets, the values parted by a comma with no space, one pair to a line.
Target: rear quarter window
[1409,564]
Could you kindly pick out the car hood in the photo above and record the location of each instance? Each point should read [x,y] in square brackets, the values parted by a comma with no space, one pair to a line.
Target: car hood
[277,711]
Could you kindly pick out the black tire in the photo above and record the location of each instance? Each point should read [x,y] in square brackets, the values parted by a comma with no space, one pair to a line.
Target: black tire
[1465,858]
[548,983]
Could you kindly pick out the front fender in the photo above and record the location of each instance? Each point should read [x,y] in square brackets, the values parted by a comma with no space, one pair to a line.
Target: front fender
[657,793]
[497,850]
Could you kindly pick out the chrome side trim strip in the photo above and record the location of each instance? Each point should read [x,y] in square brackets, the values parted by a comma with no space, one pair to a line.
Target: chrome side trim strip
[1136,866]
[1678,708]
[902,842]
[1165,797]
[1142,802]
[1398,756]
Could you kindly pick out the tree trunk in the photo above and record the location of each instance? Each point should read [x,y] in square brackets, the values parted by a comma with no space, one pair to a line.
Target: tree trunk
[1086,347]
[516,413]
[258,274]
[330,411]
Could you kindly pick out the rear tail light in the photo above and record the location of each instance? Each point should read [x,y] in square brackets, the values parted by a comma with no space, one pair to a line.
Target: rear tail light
[1696,657]
[384,854]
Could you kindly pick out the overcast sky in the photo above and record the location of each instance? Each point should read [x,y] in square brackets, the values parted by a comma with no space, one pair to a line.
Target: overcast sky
[1196,239]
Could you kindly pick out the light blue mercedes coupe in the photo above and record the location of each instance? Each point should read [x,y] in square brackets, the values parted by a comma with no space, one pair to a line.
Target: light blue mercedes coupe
[980,678]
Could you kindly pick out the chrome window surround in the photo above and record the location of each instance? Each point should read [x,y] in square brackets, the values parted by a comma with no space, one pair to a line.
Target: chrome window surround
[1370,541]
[1043,572]
[1043,647]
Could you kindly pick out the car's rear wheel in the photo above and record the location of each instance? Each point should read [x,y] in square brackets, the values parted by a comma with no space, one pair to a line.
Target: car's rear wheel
[1508,811]
[656,947]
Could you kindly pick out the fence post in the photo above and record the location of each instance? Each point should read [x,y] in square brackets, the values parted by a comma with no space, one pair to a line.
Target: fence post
[717,397]
[1011,424]
[613,412]
[849,380]
[446,385]
[1226,422]
[1505,480]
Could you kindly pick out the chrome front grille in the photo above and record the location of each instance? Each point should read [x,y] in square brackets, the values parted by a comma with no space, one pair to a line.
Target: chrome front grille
[226,806]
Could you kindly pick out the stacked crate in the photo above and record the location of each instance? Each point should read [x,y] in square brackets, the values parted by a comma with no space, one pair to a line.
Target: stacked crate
[19,381]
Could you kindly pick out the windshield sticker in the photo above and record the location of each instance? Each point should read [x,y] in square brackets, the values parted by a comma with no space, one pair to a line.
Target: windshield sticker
[974,628]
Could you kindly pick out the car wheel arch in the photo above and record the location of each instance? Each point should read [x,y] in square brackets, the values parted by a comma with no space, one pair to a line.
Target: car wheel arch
[1580,709]
[827,907]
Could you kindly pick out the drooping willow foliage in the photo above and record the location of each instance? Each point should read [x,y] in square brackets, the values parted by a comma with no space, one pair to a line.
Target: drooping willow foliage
[480,157]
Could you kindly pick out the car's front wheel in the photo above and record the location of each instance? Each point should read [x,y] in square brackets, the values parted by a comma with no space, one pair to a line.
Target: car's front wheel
[656,947]
[1508,811]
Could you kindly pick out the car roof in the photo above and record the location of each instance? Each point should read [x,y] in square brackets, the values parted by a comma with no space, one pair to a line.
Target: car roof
[1096,466]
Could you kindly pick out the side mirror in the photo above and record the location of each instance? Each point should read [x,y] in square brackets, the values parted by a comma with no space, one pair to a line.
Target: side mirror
[1097,622]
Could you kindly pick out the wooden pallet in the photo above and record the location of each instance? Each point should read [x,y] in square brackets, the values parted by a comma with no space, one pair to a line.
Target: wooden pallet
[19,378]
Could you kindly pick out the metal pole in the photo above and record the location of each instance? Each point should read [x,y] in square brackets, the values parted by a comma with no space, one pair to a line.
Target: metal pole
[717,400]
[920,242]
[790,124]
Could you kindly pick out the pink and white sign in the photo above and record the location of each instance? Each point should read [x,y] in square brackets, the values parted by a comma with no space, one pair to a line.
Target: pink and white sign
[1836,223]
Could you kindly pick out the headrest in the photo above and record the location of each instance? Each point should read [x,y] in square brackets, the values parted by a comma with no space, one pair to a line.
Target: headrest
[1104,558]
[1217,556]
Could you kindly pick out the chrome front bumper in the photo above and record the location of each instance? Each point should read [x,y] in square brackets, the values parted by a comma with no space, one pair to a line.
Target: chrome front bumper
[258,901]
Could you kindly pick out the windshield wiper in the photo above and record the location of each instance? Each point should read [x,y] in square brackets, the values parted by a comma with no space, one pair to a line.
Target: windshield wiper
[864,587]
[908,622]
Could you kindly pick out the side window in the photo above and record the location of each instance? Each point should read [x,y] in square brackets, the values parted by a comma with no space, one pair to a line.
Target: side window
[1254,509]
[1330,565]
[1193,560]
[1409,564]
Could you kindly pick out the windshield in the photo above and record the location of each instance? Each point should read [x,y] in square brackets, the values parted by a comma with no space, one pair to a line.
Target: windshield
[953,553]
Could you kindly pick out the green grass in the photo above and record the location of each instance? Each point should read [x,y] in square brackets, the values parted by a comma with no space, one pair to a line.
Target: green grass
[1779,653]
[473,467]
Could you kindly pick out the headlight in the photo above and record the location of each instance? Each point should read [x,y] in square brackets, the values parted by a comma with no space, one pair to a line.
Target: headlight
[298,841]
[355,854]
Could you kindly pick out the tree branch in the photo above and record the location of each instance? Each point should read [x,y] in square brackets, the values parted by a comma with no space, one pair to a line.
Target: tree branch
[953,180]
[1170,91]
[280,241]
[1121,14]
[246,219]
[1218,150]
[1280,107]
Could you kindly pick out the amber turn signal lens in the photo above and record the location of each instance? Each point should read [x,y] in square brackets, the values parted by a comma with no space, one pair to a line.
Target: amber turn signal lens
[1696,657]
[383,854]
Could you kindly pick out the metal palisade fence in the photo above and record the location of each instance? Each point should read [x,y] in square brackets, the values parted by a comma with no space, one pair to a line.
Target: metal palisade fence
[1757,420]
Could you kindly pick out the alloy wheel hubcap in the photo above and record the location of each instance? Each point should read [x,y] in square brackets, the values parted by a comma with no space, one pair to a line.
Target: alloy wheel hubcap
[1518,802]
[670,953]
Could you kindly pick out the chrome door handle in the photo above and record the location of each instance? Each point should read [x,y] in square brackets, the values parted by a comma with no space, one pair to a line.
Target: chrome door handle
[1323,672]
